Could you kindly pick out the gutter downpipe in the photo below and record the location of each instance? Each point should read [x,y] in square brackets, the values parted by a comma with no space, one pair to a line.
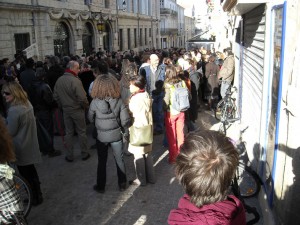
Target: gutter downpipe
[138,30]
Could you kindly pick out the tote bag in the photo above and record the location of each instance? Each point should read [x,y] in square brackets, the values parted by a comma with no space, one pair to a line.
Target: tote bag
[141,136]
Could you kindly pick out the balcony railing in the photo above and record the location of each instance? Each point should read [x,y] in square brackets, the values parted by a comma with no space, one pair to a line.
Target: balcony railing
[167,11]
[169,31]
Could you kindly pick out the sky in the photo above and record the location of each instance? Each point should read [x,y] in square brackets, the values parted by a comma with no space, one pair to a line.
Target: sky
[188,5]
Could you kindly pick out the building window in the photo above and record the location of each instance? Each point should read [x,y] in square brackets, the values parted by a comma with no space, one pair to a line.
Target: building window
[141,37]
[135,38]
[146,36]
[128,38]
[162,3]
[150,32]
[61,40]
[106,4]
[121,39]
[22,41]
[87,38]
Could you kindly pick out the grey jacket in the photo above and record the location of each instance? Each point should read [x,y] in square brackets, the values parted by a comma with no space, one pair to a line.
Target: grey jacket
[22,127]
[69,93]
[108,115]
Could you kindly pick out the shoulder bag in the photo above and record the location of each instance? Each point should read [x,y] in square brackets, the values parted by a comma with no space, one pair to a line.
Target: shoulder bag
[141,136]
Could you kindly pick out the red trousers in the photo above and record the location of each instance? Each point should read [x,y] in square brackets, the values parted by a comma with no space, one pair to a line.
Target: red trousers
[174,130]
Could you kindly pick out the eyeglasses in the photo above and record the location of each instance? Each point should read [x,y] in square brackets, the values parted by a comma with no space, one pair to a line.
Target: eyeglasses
[5,93]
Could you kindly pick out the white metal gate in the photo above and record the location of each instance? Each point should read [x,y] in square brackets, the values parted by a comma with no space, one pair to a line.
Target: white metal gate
[252,75]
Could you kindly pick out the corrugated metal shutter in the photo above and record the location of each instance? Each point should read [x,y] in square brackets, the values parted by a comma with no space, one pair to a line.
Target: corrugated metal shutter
[252,71]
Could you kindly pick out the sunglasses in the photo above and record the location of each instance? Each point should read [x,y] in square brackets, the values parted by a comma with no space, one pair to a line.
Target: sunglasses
[6,93]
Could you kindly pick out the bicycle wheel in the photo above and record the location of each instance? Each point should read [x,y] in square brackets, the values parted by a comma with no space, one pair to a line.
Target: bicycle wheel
[219,110]
[248,182]
[24,192]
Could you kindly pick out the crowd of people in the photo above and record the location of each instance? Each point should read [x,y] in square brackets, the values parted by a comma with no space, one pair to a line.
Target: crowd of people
[121,94]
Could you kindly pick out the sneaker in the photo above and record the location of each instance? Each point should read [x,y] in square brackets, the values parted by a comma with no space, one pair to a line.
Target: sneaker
[97,189]
[86,157]
[54,153]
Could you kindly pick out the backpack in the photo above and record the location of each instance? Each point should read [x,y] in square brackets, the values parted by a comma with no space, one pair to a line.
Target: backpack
[181,100]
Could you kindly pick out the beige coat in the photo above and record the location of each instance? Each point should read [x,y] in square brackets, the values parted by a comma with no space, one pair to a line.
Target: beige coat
[227,69]
[140,106]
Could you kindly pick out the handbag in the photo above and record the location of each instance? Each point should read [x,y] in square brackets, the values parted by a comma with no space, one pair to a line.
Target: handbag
[141,136]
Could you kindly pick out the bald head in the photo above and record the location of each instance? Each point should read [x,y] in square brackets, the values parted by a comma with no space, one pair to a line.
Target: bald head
[154,60]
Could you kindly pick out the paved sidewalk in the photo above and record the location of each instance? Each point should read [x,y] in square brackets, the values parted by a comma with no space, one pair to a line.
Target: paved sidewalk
[69,198]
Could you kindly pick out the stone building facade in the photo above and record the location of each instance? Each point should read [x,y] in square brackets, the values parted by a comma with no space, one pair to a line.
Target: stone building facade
[65,27]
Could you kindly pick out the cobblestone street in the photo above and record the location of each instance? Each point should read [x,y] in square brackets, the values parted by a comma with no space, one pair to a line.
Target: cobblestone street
[69,198]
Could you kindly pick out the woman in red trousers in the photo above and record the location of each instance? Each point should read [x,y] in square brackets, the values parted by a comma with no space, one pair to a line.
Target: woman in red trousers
[174,120]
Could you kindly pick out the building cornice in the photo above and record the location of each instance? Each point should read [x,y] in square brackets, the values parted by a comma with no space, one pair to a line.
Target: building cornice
[240,7]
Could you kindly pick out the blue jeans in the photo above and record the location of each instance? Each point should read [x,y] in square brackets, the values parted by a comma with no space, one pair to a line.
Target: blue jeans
[102,149]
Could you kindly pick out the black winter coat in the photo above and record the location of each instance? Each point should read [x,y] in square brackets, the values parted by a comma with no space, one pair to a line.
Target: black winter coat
[41,96]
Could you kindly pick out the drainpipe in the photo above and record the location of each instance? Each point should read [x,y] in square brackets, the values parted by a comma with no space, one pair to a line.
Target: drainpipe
[34,29]
[116,34]
[138,16]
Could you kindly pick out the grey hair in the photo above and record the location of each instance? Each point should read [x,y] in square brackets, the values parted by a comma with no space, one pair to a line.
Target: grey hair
[71,64]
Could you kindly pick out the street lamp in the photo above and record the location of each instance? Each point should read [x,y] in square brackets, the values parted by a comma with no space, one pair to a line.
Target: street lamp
[100,24]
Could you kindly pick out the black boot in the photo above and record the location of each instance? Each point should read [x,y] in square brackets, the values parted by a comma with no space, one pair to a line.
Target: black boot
[37,196]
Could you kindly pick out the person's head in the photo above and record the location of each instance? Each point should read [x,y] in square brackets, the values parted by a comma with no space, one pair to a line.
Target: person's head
[167,61]
[65,61]
[175,56]
[54,60]
[85,66]
[171,74]
[47,58]
[130,70]
[40,73]
[39,64]
[137,83]
[205,166]
[154,60]
[6,145]
[14,94]
[5,62]
[178,69]
[29,63]
[192,63]
[211,58]
[102,66]
[227,52]
[159,85]
[73,66]
[187,55]
[105,86]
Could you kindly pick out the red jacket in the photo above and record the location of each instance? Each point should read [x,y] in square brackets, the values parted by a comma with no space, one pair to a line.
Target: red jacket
[228,212]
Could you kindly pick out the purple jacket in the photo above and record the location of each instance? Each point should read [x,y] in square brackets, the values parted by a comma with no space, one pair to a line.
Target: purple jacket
[228,212]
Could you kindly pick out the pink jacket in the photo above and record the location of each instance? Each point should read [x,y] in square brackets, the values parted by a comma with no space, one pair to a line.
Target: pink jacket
[228,212]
